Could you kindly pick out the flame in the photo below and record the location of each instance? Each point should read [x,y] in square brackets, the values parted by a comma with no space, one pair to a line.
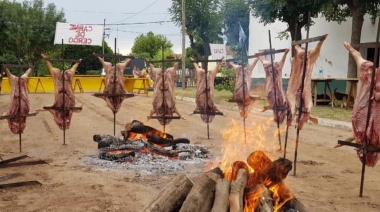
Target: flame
[280,195]
[252,199]
[262,135]
[258,137]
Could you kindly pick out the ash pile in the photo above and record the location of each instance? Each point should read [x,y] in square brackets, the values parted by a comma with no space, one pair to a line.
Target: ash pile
[143,147]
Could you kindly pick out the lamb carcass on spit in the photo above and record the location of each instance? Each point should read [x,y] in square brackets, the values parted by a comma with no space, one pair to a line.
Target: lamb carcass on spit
[114,92]
[371,135]
[163,94]
[64,102]
[274,88]
[242,86]
[293,93]
[20,106]
[205,94]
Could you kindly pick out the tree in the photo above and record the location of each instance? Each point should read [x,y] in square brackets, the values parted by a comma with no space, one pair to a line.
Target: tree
[149,45]
[89,61]
[27,29]
[235,12]
[203,24]
[339,10]
[293,12]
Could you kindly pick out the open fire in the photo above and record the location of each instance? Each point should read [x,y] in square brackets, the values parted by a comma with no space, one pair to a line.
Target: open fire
[138,140]
[235,185]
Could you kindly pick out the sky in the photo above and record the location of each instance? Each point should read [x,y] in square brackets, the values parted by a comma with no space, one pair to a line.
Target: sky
[125,19]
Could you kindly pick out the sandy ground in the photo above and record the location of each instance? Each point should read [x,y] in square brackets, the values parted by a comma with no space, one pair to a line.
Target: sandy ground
[327,179]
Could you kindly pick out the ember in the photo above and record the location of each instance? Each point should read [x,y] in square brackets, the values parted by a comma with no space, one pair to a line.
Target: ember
[144,143]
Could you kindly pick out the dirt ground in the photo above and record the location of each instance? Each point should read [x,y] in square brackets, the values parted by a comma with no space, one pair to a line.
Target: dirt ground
[327,179]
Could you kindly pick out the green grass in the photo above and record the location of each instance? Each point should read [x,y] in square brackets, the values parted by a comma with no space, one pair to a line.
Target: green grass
[322,111]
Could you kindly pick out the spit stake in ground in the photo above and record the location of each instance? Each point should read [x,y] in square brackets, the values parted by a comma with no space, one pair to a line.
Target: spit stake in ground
[114,92]
[298,93]
[366,108]
[205,93]
[64,103]
[20,106]
[274,89]
[163,92]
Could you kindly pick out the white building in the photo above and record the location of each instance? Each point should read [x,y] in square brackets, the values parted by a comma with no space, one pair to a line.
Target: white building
[333,58]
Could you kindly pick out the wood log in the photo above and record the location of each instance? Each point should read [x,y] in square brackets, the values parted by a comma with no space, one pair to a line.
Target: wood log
[172,197]
[138,127]
[235,168]
[294,204]
[237,191]
[201,196]
[222,193]
[155,139]
[164,152]
[266,171]
[258,198]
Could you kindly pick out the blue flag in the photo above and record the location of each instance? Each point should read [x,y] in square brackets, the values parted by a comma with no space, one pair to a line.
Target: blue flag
[242,39]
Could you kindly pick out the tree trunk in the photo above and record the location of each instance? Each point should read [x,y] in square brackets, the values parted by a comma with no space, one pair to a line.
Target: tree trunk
[356,31]
[295,32]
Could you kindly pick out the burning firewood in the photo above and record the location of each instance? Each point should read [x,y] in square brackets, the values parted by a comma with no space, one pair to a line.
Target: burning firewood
[137,127]
[259,198]
[237,191]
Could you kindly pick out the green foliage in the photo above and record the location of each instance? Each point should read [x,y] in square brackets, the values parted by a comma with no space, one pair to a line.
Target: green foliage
[93,72]
[228,82]
[294,13]
[149,45]
[204,23]
[27,29]
[89,61]
[235,12]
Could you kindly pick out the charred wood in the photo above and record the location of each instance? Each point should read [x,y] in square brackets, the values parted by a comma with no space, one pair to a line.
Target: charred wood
[139,128]
[237,191]
[172,197]
[258,198]
[164,152]
[166,142]
[294,205]
[266,171]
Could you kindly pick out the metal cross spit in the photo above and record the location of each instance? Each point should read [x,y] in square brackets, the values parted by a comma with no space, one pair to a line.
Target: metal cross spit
[163,90]
[207,111]
[364,146]
[19,114]
[113,94]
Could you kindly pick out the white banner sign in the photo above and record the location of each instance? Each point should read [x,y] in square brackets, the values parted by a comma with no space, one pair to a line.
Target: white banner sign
[218,51]
[78,34]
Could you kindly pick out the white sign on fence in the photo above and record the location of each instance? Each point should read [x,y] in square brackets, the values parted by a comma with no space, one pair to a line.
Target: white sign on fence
[78,34]
[218,51]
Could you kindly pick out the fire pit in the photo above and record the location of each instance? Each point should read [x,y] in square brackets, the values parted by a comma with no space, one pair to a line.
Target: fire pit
[253,186]
[145,148]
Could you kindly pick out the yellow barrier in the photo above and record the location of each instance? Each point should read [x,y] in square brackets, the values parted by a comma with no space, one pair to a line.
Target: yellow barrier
[80,84]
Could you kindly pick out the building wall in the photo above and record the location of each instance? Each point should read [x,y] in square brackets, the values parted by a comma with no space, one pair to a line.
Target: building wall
[333,58]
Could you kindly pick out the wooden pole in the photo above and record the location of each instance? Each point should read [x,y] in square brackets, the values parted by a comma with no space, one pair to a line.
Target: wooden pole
[369,109]
[301,100]
[63,96]
[275,93]
[114,90]
[183,44]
